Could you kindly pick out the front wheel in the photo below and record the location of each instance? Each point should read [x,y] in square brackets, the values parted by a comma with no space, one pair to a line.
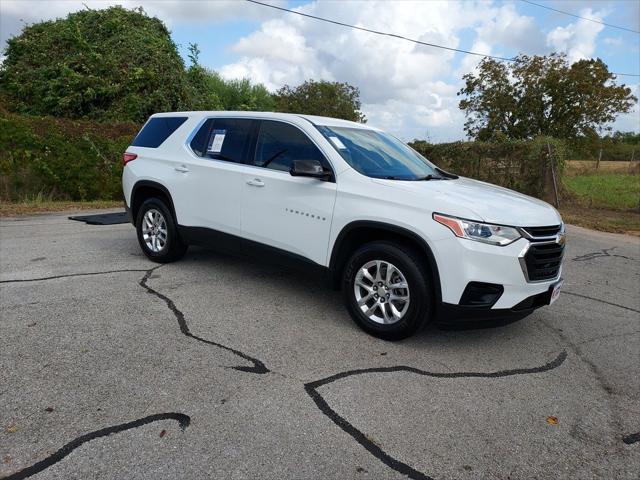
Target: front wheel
[158,233]
[387,290]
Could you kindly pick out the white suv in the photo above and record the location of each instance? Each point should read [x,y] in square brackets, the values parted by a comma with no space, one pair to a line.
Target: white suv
[406,241]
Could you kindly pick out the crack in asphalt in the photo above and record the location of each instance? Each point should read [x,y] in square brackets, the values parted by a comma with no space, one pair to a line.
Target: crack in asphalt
[182,419]
[600,300]
[600,377]
[258,367]
[604,253]
[312,390]
[53,277]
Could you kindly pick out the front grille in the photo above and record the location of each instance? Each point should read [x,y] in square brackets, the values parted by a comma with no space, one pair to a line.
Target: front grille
[551,231]
[543,261]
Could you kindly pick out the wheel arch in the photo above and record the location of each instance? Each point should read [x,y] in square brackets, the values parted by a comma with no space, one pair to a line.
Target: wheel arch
[144,189]
[357,233]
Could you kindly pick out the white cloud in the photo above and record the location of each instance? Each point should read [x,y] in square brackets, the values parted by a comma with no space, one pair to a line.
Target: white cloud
[505,26]
[405,88]
[577,40]
[613,41]
[169,11]
[14,14]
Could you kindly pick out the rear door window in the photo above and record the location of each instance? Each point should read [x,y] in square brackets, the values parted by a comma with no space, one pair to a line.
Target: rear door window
[226,139]
[279,144]
[156,131]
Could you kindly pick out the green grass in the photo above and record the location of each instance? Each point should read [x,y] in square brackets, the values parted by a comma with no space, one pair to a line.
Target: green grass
[606,190]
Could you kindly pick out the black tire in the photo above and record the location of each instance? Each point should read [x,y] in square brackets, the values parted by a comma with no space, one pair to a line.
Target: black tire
[412,265]
[174,248]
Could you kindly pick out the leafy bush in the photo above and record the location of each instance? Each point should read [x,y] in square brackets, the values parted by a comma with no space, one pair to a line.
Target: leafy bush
[522,165]
[331,99]
[100,64]
[60,158]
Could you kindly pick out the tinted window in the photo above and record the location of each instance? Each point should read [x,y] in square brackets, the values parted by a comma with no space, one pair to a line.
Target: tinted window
[157,130]
[279,144]
[224,139]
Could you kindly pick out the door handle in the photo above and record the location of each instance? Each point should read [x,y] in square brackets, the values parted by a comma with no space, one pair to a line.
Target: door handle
[256,182]
[182,169]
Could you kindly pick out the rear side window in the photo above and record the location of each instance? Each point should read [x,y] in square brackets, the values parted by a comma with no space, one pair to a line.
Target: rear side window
[226,139]
[156,131]
[279,144]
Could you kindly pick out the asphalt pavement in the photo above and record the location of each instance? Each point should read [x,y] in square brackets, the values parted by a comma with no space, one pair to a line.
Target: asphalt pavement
[112,367]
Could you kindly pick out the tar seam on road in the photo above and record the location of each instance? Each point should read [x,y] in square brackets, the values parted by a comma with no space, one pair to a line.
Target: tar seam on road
[599,254]
[258,367]
[400,467]
[633,438]
[601,301]
[19,280]
[182,419]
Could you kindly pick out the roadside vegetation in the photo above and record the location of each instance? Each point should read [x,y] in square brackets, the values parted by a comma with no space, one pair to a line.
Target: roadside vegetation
[603,198]
[39,204]
[74,92]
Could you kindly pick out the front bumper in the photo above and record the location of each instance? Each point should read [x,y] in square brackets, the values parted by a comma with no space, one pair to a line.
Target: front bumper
[461,261]
[452,314]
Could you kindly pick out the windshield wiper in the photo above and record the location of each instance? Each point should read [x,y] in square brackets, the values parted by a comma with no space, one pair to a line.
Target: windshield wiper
[432,177]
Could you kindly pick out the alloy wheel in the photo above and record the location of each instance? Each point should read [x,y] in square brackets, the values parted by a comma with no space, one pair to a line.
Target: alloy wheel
[382,292]
[154,230]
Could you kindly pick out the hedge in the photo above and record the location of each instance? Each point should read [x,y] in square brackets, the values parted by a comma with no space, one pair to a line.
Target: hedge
[61,159]
[521,165]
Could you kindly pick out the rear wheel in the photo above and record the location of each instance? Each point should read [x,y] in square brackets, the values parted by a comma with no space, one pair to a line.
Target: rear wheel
[157,232]
[387,290]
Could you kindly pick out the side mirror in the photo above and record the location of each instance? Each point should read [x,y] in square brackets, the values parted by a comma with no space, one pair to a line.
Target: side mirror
[309,168]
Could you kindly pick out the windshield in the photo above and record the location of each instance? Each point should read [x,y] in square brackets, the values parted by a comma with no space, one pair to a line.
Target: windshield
[378,154]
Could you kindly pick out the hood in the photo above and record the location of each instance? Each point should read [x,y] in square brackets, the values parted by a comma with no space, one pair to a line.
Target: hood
[482,201]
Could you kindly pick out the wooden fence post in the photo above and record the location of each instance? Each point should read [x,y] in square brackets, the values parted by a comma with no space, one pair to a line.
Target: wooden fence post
[599,158]
[553,175]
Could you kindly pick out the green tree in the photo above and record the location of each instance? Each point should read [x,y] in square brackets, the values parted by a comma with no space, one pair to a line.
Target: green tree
[209,91]
[200,95]
[240,94]
[542,95]
[331,99]
[105,64]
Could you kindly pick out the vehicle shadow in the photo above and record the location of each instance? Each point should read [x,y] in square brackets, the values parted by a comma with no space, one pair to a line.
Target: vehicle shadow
[309,286]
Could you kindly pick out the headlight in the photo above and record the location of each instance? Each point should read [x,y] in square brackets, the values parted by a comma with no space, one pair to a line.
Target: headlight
[480,232]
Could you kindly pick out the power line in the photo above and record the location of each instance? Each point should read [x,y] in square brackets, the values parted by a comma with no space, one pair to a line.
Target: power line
[578,16]
[380,33]
[386,34]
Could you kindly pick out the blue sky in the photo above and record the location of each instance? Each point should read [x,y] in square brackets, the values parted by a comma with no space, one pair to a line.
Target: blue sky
[405,88]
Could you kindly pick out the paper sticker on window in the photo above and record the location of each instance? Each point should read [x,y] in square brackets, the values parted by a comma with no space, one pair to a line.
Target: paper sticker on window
[336,141]
[217,139]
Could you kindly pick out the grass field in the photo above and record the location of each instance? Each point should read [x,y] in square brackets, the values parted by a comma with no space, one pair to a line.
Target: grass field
[606,190]
[583,167]
[605,199]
